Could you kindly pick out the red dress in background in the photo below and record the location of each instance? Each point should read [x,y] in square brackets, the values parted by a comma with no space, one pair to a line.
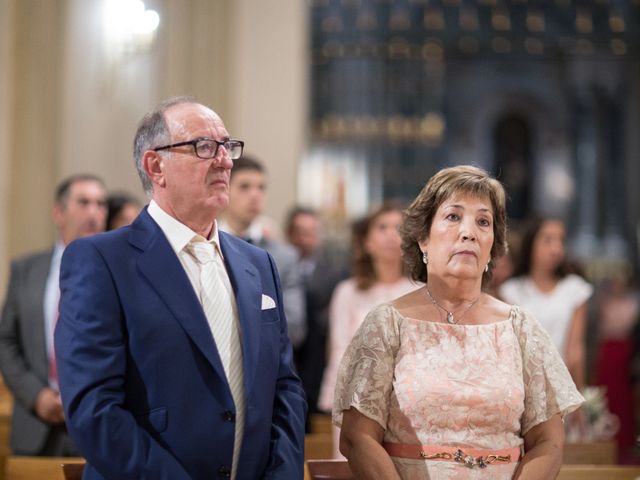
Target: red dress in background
[618,314]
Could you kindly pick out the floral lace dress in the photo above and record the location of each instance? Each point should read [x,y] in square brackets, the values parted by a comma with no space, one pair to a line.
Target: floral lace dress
[473,386]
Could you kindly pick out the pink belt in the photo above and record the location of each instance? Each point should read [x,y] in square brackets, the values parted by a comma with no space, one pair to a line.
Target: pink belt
[470,457]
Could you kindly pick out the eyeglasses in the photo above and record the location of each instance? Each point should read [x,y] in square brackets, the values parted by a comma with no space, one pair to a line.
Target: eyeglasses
[208,147]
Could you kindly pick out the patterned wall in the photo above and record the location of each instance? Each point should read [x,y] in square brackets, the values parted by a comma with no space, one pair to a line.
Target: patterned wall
[535,91]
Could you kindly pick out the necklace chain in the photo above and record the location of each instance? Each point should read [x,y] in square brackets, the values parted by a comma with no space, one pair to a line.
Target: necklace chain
[450,318]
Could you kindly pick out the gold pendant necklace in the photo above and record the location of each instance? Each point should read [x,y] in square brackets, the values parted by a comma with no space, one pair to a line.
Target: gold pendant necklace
[450,318]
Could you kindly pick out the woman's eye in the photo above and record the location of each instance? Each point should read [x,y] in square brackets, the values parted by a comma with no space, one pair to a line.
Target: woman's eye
[453,216]
[484,222]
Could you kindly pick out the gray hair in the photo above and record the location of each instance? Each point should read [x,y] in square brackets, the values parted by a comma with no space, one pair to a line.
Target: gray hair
[153,132]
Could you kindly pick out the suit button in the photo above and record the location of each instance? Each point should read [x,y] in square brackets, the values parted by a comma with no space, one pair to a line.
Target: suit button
[229,416]
[224,472]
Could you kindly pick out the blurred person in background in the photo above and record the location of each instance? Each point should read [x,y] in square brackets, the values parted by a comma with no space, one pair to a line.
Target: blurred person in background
[378,276]
[321,268]
[544,284]
[447,381]
[502,267]
[618,309]
[244,218]
[122,209]
[29,316]
[635,387]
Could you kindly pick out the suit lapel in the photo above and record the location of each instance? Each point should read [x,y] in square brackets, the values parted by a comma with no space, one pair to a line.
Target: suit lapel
[163,270]
[247,286]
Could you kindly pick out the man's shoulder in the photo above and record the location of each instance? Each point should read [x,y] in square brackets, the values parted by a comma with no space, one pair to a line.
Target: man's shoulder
[105,238]
[106,243]
[33,258]
[281,252]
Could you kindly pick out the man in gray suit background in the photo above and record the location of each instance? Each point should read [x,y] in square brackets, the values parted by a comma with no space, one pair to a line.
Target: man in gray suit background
[28,318]
[244,218]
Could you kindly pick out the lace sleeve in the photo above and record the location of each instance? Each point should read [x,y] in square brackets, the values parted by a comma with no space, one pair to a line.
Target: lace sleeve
[548,386]
[366,371]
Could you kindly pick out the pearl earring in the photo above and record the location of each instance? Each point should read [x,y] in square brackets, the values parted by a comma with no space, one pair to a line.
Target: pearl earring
[425,259]
[486,267]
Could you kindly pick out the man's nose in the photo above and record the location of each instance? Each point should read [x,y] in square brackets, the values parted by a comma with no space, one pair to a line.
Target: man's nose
[222,159]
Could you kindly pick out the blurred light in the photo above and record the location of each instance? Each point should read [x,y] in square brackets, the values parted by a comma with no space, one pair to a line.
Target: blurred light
[432,127]
[433,19]
[400,21]
[559,183]
[148,23]
[129,26]
[432,50]
[366,21]
[616,23]
[535,21]
[534,46]
[584,22]
[468,19]
[618,47]
[500,20]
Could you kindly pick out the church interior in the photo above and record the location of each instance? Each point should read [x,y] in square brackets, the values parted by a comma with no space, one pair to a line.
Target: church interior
[348,103]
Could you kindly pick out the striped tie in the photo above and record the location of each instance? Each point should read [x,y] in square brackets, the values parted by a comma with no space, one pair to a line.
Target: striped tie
[218,303]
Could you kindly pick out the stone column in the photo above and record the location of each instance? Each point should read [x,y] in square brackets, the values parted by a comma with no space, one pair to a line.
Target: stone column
[615,245]
[586,202]
[7,59]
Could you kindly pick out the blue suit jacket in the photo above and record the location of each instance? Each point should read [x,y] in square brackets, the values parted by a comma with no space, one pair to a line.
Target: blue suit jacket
[144,391]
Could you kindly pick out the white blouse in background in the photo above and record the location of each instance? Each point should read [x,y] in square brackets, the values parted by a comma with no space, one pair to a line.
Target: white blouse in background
[554,309]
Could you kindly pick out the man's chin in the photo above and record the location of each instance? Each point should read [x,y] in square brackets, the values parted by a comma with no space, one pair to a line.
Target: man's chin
[218,202]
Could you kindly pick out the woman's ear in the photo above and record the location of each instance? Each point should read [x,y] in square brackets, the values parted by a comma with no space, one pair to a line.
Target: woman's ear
[424,244]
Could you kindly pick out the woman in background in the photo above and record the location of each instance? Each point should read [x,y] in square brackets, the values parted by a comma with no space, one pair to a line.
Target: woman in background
[618,311]
[377,277]
[544,285]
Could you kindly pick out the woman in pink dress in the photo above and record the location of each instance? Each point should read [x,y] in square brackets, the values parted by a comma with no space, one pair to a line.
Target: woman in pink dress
[378,276]
[448,382]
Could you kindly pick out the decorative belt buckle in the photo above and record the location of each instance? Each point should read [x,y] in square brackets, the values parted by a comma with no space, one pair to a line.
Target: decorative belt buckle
[466,460]
[481,462]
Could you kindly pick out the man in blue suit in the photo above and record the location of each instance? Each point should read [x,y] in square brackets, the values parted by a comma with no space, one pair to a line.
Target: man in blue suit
[170,368]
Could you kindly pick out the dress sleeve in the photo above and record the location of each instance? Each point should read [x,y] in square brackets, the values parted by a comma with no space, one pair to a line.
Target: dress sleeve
[579,289]
[365,375]
[548,386]
[340,332]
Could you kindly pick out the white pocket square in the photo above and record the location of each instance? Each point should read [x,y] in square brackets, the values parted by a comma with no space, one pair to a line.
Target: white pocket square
[267,302]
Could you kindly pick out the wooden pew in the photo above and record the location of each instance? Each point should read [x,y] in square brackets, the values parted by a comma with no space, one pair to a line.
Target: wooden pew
[72,471]
[6,408]
[599,472]
[339,470]
[320,423]
[328,470]
[37,468]
[318,446]
[594,453]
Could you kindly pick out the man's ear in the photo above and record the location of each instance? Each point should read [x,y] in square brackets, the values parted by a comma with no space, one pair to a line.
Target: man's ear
[57,212]
[152,165]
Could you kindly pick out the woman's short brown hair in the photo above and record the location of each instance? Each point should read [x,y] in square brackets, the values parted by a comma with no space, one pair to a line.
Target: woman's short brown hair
[463,179]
